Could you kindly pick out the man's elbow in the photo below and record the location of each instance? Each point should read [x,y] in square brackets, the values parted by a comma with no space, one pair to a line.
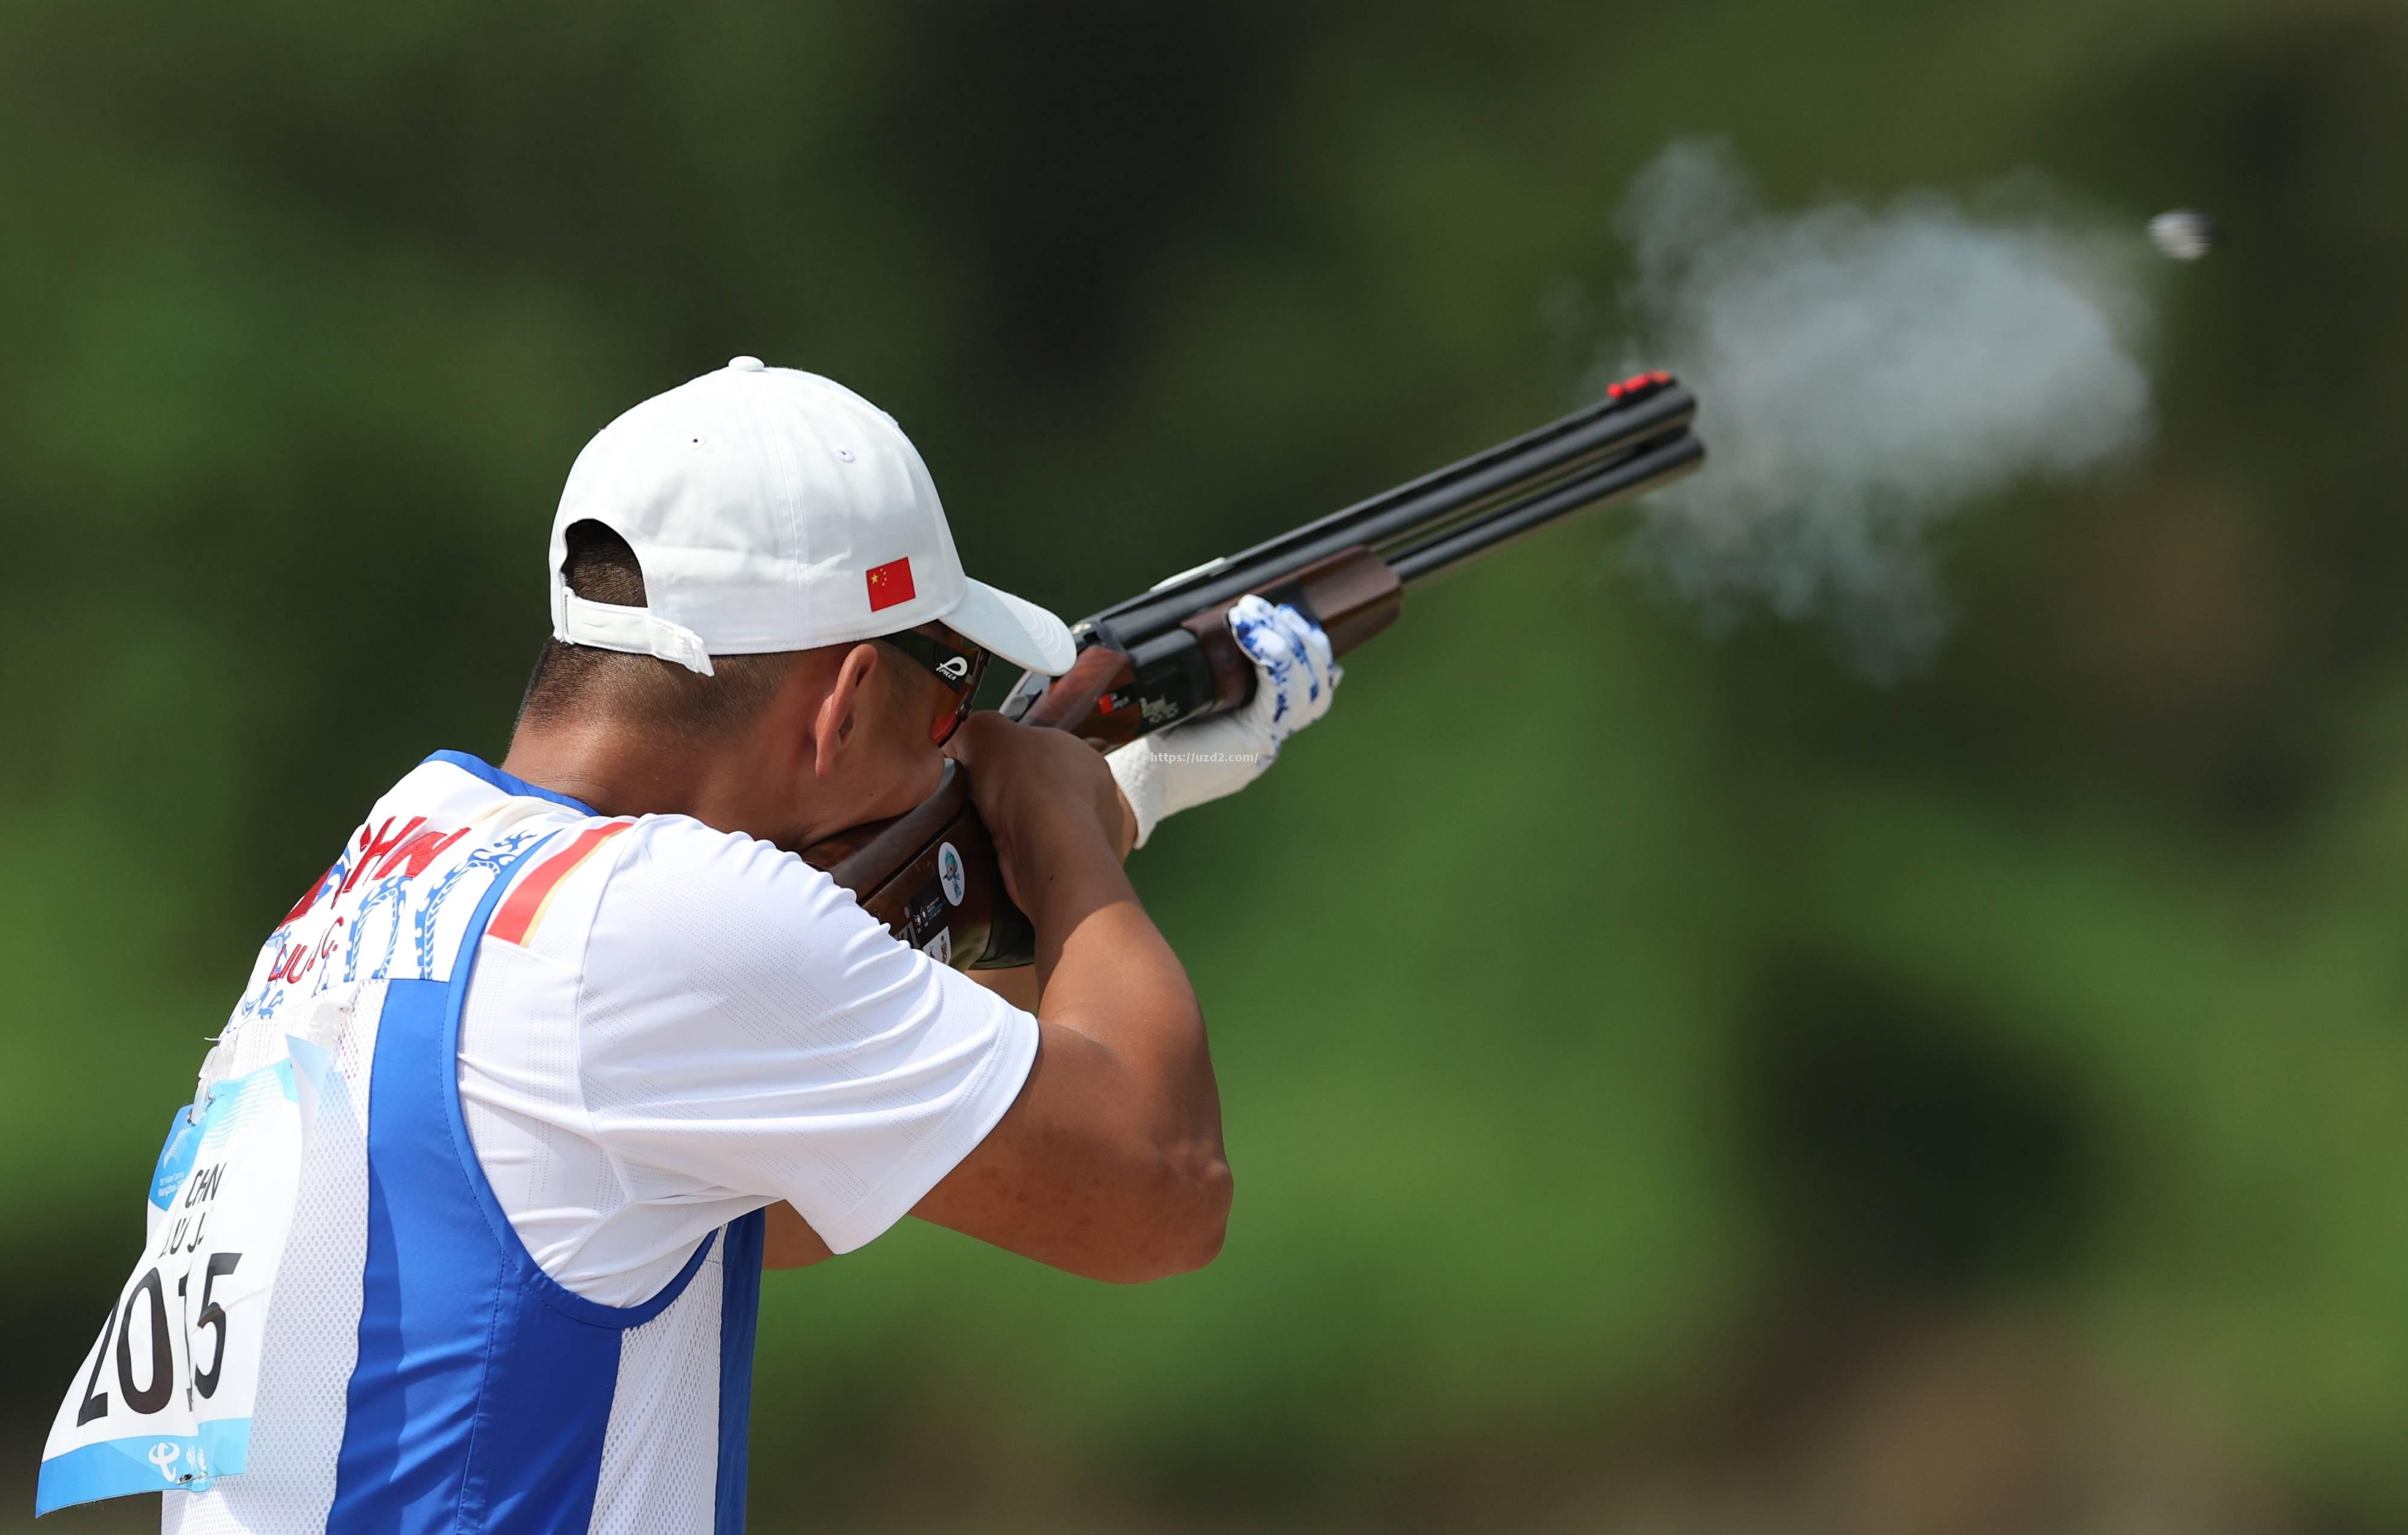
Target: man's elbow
[1210,1225]
[1190,1221]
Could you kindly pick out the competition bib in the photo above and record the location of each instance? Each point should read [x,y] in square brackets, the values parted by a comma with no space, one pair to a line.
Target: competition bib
[164,1398]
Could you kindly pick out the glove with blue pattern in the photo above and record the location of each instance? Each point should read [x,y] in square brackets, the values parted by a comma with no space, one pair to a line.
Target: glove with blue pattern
[1294,676]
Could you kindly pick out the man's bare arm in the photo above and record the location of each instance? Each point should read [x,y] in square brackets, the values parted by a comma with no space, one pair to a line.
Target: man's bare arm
[1109,1163]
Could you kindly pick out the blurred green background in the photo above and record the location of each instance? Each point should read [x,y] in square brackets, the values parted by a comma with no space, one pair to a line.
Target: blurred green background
[1673,1085]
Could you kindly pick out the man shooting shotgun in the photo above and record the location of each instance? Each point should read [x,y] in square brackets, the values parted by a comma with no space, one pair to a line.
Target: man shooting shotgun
[464,1227]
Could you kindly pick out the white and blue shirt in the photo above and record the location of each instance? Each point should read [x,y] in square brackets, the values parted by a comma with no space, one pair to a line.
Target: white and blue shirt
[499,1111]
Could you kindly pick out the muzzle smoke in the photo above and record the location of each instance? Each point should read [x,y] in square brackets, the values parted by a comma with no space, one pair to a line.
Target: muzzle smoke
[1865,374]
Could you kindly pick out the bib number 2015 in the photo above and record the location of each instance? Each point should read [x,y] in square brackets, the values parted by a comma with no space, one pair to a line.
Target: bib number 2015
[165,1398]
[159,1379]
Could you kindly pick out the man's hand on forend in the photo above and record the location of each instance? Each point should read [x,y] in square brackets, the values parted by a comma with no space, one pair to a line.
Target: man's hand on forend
[1294,676]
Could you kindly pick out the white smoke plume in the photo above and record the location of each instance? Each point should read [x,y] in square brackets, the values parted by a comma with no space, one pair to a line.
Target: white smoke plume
[1864,375]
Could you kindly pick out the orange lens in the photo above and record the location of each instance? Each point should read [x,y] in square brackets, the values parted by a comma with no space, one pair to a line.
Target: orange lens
[952,660]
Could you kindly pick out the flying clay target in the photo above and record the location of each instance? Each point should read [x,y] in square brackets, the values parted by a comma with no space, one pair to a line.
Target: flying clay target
[2185,233]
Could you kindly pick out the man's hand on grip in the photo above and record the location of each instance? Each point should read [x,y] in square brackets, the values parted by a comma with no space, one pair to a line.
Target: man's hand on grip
[1035,788]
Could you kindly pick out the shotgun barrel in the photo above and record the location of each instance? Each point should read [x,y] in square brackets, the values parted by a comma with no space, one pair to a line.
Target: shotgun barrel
[1635,412]
[1164,655]
[1655,465]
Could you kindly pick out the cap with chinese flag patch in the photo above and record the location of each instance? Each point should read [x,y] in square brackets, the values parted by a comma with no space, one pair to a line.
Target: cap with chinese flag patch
[776,510]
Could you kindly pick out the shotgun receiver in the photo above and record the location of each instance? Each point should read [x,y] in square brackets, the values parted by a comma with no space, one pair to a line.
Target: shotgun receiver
[1165,654]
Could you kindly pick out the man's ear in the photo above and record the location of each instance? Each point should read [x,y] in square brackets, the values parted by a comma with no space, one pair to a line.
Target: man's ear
[839,711]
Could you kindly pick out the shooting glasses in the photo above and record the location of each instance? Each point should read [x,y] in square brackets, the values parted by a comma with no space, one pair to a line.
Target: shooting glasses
[953,661]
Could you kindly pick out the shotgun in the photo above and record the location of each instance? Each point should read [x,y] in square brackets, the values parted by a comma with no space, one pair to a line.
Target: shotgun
[1166,655]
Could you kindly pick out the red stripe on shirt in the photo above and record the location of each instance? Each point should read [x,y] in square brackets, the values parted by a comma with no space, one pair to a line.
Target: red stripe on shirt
[524,907]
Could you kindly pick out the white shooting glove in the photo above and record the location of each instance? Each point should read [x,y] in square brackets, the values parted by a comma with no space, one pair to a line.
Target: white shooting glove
[1183,767]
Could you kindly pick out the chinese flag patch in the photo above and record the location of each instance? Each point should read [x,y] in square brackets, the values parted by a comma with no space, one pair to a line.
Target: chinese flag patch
[891,583]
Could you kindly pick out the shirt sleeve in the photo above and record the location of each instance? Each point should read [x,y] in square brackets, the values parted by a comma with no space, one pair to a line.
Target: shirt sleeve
[744,1027]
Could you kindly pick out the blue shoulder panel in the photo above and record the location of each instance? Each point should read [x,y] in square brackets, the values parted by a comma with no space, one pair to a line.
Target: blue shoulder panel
[483,1386]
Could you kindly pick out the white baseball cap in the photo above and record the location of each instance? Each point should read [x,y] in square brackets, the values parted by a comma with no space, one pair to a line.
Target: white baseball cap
[776,510]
